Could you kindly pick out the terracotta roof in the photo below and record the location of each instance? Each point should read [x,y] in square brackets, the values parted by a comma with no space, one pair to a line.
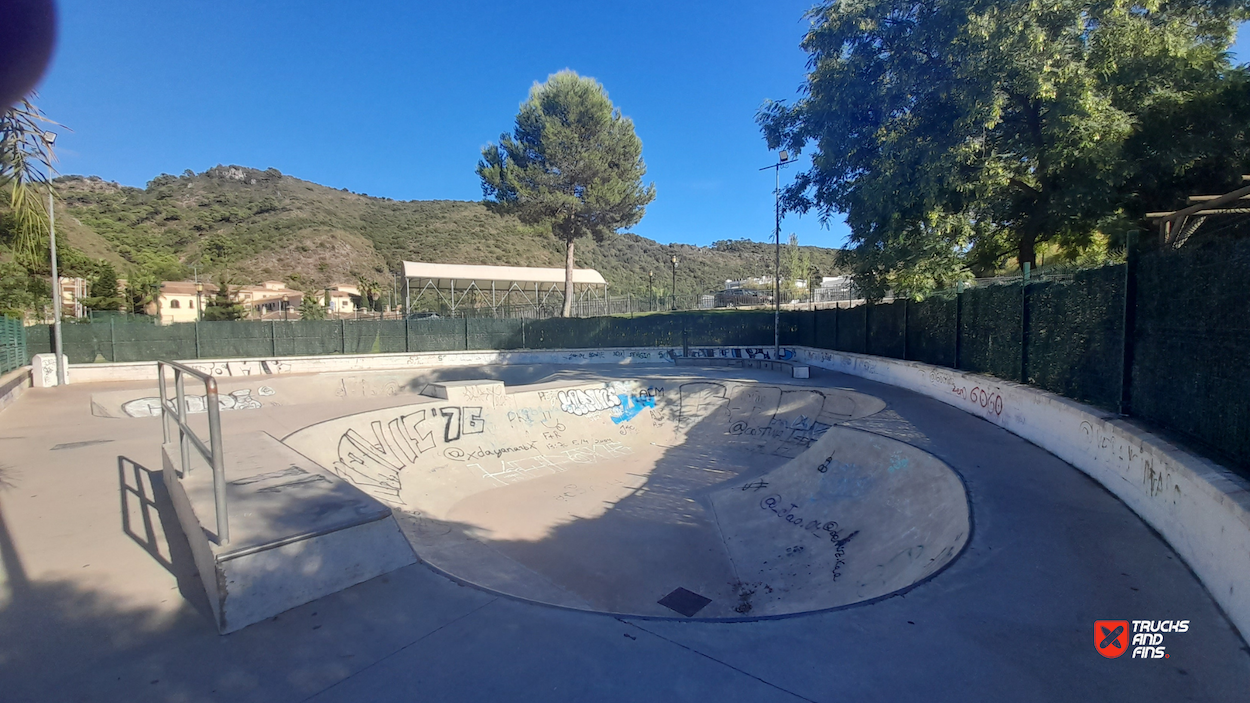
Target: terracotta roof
[185,288]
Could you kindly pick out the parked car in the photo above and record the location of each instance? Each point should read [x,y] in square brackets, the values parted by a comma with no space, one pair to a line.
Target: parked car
[741,297]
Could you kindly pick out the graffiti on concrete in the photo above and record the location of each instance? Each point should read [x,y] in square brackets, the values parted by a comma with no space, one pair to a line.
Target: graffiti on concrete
[739,353]
[589,401]
[236,400]
[251,367]
[278,481]
[988,399]
[631,405]
[364,387]
[1126,458]
[551,462]
[816,528]
[375,464]
[794,417]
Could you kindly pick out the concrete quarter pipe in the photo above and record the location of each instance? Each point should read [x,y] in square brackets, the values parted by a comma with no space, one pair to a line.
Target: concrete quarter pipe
[707,498]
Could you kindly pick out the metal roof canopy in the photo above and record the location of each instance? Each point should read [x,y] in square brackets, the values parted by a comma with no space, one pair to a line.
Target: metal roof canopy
[471,285]
[483,276]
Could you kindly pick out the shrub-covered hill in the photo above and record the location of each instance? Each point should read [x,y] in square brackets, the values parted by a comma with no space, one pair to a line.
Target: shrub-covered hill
[263,225]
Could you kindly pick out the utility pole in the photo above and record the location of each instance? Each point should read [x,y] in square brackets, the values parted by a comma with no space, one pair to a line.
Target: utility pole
[58,352]
[673,306]
[782,161]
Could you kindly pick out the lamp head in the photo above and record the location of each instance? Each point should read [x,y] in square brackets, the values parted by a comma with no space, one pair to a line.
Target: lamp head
[785,156]
[49,137]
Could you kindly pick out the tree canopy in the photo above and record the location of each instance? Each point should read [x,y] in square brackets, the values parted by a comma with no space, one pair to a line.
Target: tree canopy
[224,305]
[957,132]
[573,162]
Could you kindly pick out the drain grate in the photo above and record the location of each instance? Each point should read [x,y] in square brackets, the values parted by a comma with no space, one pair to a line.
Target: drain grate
[685,602]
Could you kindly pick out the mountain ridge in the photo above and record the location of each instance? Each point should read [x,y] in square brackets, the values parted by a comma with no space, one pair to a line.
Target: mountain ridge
[262,224]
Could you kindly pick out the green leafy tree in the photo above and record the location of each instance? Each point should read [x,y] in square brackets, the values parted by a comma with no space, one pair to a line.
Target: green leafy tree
[143,289]
[310,308]
[105,294]
[951,131]
[20,292]
[572,163]
[798,261]
[223,305]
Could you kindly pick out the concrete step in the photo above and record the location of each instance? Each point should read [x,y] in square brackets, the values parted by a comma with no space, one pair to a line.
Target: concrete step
[297,531]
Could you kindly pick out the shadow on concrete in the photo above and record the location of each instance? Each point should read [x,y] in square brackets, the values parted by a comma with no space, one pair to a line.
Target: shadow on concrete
[663,533]
[144,494]
[519,375]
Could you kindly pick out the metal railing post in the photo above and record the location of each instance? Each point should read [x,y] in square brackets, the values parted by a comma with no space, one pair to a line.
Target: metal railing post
[188,439]
[160,379]
[184,450]
[219,470]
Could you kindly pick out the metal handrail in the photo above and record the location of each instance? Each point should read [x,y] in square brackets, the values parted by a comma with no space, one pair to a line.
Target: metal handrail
[187,438]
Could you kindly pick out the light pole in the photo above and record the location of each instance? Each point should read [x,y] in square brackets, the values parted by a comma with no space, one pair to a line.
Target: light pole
[286,305]
[784,158]
[651,289]
[199,300]
[673,306]
[48,139]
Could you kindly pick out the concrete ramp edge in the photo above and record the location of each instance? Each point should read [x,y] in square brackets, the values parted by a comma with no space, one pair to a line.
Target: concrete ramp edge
[1199,507]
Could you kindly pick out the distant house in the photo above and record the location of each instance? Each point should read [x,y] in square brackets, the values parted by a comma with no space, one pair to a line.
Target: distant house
[179,301]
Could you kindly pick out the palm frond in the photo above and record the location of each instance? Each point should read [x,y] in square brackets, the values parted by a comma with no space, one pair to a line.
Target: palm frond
[26,164]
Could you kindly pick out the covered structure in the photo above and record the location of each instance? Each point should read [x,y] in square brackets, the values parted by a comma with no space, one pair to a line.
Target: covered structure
[506,291]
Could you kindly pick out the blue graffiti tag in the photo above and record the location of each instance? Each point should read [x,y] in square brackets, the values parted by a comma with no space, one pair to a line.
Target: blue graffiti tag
[631,406]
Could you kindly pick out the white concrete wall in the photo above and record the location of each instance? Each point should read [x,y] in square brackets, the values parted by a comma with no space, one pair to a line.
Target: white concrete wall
[146,370]
[1200,508]
[13,384]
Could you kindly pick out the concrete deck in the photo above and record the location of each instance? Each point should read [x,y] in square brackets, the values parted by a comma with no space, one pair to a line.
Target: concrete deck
[101,601]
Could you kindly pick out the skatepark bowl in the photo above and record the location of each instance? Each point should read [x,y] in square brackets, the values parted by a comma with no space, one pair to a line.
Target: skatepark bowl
[690,493]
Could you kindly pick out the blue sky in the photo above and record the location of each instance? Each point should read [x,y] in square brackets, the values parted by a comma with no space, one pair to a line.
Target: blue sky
[397,99]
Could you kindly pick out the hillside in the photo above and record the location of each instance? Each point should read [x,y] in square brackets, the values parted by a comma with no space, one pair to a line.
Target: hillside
[265,225]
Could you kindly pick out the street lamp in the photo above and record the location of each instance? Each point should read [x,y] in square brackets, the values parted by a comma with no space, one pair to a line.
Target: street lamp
[674,303]
[783,159]
[199,301]
[48,139]
[651,289]
[286,305]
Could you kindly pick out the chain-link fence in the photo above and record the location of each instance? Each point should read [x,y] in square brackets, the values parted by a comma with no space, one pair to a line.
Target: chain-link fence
[12,344]
[1164,338]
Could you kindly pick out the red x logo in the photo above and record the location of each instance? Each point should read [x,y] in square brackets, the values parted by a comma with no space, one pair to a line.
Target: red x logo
[1111,637]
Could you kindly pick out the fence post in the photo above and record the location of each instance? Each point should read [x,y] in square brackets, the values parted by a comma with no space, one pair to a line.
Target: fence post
[1129,323]
[466,332]
[197,338]
[273,336]
[959,309]
[1024,325]
[407,332]
[867,324]
[113,339]
[906,313]
[343,333]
